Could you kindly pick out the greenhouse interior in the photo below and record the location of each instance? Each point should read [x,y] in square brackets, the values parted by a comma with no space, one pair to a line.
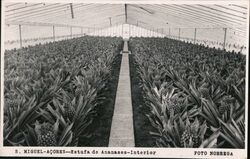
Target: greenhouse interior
[125,74]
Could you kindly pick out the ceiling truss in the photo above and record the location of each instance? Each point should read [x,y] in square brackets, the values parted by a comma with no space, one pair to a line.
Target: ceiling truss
[154,16]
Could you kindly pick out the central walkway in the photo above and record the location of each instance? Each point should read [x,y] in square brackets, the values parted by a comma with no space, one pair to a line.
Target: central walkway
[122,130]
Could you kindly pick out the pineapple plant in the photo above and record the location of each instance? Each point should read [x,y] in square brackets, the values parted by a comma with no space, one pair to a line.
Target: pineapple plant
[225,104]
[69,111]
[175,105]
[185,138]
[45,134]
[213,92]
[39,76]
[193,134]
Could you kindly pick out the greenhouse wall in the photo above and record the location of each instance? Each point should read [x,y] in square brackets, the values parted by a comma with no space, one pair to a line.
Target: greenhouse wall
[213,37]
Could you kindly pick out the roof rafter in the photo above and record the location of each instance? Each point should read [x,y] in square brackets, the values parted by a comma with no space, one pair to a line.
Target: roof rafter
[46,12]
[169,19]
[222,12]
[184,12]
[231,9]
[33,11]
[62,13]
[23,7]
[209,14]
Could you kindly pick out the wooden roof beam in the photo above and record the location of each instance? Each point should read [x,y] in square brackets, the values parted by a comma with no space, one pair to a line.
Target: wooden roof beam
[39,24]
[231,9]
[76,12]
[191,15]
[222,12]
[160,19]
[23,7]
[204,15]
[179,15]
[36,11]
[211,14]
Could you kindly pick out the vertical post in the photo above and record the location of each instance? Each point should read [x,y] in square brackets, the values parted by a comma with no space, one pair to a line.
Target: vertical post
[225,38]
[81,31]
[20,36]
[195,30]
[129,30]
[71,9]
[110,32]
[169,33]
[179,33]
[126,14]
[110,23]
[71,32]
[54,36]
[141,35]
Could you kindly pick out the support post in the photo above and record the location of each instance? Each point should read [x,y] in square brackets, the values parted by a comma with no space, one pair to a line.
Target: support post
[179,33]
[110,23]
[71,35]
[126,14]
[20,36]
[54,36]
[195,30]
[225,38]
[71,9]
[129,30]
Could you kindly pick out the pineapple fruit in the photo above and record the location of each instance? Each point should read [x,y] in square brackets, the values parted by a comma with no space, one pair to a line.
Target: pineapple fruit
[225,104]
[69,112]
[191,136]
[174,105]
[45,134]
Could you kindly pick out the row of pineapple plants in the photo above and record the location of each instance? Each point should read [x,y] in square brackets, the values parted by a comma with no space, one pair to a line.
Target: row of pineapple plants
[51,90]
[196,94]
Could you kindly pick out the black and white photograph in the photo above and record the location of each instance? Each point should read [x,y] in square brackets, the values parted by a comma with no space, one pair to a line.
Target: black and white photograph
[125,78]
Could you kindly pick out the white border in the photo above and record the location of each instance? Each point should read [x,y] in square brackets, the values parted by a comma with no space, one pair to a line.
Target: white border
[160,152]
[2,74]
[139,1]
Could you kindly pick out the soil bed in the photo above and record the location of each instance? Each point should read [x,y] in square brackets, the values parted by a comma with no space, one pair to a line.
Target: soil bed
[142,125]
[101,125]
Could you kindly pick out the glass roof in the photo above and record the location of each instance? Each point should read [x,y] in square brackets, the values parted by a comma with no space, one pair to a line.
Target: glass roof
[148,16]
